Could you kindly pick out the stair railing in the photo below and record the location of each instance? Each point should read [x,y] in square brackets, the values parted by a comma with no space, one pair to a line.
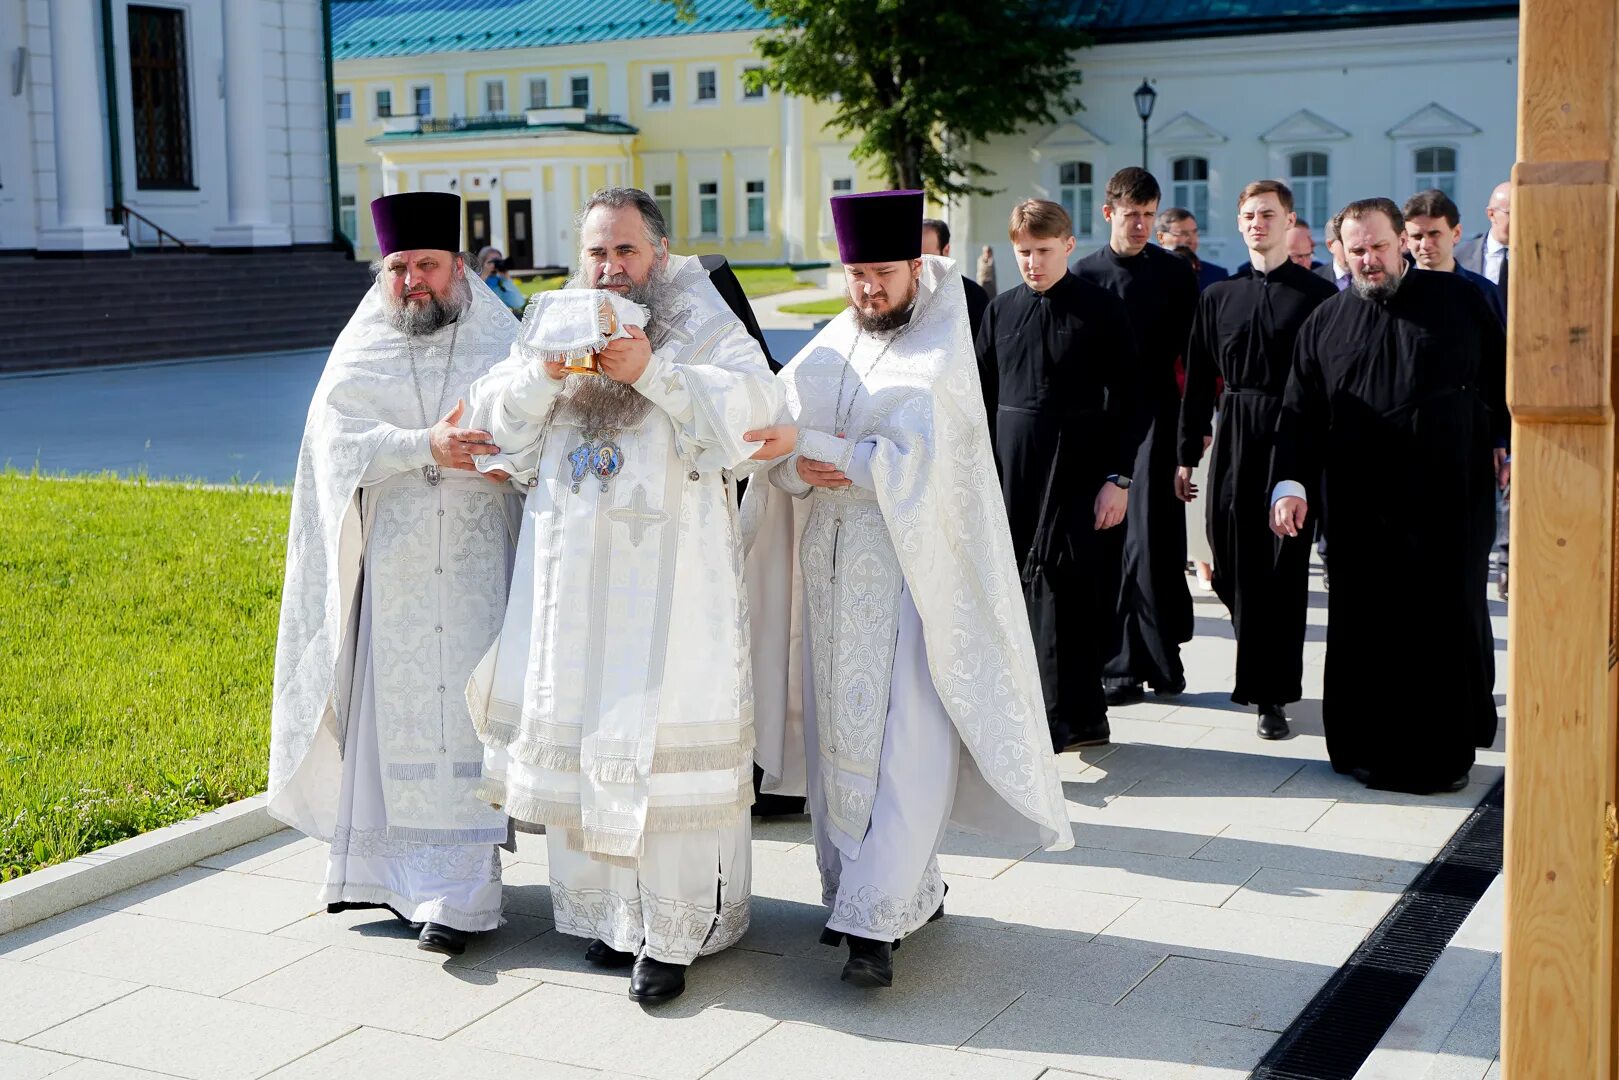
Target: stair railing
[123,211]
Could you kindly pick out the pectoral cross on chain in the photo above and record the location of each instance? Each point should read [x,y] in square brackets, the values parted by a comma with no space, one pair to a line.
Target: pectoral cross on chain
[637,515]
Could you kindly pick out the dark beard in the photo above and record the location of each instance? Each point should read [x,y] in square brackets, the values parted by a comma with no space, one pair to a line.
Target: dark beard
[1384,292]
[886,322]
[597,403]
[418,320]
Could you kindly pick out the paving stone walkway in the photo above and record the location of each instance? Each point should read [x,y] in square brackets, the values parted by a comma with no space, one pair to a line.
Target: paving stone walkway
[1218,882]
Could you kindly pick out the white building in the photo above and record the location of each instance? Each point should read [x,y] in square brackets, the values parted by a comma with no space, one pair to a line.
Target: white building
[1385,108]
[206,119]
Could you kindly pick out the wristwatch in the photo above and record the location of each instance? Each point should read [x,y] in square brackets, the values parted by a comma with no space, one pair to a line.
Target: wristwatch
[1123,482]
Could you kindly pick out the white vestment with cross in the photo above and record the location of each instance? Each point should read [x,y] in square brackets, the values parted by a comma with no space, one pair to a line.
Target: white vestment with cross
[617,706]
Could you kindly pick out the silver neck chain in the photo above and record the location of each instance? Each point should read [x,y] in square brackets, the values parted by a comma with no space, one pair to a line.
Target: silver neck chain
[840,418]
[431,471]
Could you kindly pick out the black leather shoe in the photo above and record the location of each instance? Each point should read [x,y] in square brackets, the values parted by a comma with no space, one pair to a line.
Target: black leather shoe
[870,964]
[1455,785]
[436,937]
[1095,735]
[654,981]
[1273,722]
[1171,688]
[1128,694]
[602,955]
[355,905]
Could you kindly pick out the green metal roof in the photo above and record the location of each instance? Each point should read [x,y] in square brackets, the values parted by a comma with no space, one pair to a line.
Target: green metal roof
[502,126]
[362,28]
[367,28]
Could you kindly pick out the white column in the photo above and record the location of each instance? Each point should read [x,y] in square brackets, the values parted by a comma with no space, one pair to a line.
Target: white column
[497,214]
[246,153]
[792,178]
[81,135]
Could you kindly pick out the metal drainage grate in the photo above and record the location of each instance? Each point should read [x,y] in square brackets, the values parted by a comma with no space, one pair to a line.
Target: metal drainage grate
[1342,1024]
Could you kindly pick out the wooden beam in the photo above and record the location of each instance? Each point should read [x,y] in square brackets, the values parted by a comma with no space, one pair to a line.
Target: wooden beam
[1558,1000]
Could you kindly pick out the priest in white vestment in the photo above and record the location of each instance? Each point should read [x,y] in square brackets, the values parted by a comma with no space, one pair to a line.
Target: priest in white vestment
[398,558]
[616,706]
[911,701]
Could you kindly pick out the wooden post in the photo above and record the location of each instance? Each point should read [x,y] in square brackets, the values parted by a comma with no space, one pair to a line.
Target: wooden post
[1559,965]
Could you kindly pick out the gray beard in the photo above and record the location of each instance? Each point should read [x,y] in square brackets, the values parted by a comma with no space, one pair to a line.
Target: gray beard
[1385,291]
[597,403]
[418,320]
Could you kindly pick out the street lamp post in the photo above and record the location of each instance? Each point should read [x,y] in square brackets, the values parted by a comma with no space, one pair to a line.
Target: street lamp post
[1145,97]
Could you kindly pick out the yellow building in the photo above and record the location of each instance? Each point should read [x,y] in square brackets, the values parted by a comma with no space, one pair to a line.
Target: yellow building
[525,114]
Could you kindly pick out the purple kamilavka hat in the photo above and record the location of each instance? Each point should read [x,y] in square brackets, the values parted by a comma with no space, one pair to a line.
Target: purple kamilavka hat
[878,226]
[414,220]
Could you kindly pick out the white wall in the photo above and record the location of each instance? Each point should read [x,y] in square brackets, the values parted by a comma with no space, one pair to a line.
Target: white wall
[1235,90]
[295,115]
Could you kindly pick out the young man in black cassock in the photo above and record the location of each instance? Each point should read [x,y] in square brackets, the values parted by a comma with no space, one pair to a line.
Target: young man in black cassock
[1397,397]
[1057,363]
[1154,609]
[1244,333]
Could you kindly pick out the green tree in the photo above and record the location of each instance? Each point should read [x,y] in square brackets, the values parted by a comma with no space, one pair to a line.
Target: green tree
[917,80]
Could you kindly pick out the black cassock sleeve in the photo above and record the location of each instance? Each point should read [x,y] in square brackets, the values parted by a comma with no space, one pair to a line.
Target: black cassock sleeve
[1301,430]
[1492,370]
[1202,370]
[1129,406]
[989,368]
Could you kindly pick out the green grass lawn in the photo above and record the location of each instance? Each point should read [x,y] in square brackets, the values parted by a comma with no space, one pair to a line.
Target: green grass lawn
[830,306]
[139,636]
[756,281]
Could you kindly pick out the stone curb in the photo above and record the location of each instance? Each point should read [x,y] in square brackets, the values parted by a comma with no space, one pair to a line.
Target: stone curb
[131,862]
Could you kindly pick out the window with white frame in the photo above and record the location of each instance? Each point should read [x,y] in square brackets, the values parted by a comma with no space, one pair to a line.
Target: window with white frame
[754,192]
[539,92]
[752,93]
[708,85]
[579,91]
[343,105]
[494,97]
[664,196]
[349,210]
[708,208]
[421,101]
[384,101]
[1435,167]
[1307,175]
[660,88]
[1076,191]
[1189,186]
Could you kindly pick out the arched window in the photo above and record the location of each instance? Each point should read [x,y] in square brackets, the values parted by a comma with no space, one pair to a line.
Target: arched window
[1307,176]
[1435,167]
[1077,194]
[1190,187]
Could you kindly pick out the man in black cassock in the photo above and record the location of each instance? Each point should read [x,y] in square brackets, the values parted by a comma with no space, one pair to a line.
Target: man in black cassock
[1057,363]
[1154,609]
[936,241]
[1397,397]
[1244,333]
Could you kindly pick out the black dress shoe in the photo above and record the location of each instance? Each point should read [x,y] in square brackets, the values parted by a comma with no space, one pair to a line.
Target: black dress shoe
[436,937]
[654,981]
[1095,735]
[602,955]
[1455,785]
[1170,688]
[355,905]
[870,964]
[1273,722]
[1127,694]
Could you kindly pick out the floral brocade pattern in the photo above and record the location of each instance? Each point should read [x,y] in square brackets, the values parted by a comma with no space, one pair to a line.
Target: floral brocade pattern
[447,862]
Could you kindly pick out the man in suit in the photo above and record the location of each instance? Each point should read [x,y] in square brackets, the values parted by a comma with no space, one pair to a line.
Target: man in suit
[1432,227]
[1488,252]
[1176,230]
[1301,246]
[1336,271]
[936,241]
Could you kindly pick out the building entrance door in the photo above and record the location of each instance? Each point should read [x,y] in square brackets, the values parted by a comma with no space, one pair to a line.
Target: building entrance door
[477,225]
[519,234]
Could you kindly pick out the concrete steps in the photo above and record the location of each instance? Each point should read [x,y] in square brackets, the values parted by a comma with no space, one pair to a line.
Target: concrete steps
[72,313]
